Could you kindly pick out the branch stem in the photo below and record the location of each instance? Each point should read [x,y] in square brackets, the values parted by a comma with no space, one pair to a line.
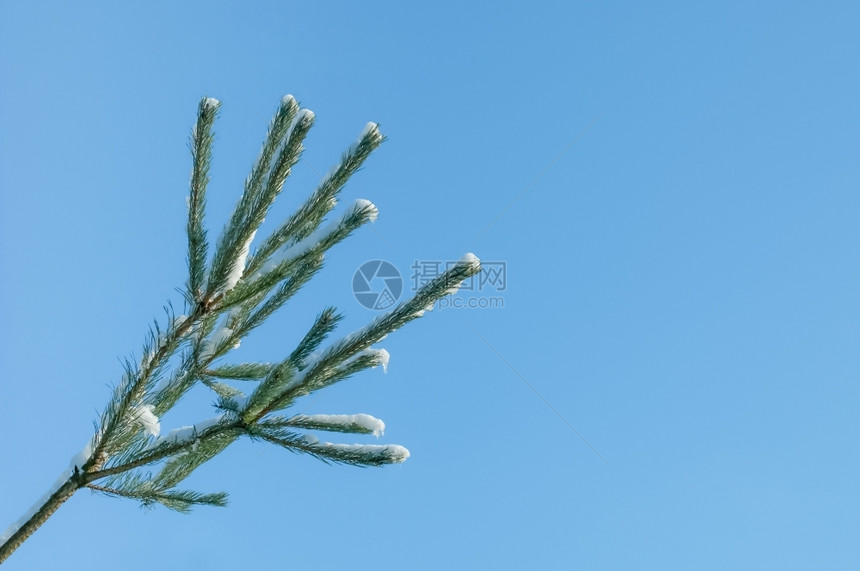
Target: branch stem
[41,515]
[100,453]
[80,480]
[160,454]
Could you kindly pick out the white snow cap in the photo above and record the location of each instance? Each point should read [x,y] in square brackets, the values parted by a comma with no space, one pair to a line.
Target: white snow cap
[145,415]
[470,259]
[361,204]
[220,335]
[370,129]
[285,100]
[305,113]
[81,457]
[238,269]
[382,355]
[187,433]
[428,307]
[215,340]
[211,102]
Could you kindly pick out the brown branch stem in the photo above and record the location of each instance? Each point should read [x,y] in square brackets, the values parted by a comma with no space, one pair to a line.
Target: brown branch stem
[80,480]
[41,515]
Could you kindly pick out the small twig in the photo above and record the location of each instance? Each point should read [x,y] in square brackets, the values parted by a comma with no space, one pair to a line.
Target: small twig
[35,521]
[105,489]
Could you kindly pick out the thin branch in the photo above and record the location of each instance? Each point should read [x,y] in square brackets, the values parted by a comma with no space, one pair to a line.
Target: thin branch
[41,515]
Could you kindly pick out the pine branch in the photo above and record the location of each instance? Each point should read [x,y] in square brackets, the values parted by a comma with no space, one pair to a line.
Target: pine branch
[229,262]
[353,454]
[351,423]
[241,372]
[324,324]
[201,154]
[334,365]
[296,272]
[178,500]
[267,392]
[228,299]
[203,449]
[183,378]
[323,376]
[183,500]
[308,217]
[223,390]
[39,517]
[117,424]
[211,433]
[256,315]
[297,256]
[278,129]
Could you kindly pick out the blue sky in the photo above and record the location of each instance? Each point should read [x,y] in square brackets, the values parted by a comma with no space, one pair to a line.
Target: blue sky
[677,184]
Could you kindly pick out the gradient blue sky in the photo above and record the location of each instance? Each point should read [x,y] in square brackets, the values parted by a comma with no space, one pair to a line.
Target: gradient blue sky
[683,281]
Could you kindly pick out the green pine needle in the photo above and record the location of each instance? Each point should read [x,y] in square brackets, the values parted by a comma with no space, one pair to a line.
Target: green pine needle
[201,154]
[241,372]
